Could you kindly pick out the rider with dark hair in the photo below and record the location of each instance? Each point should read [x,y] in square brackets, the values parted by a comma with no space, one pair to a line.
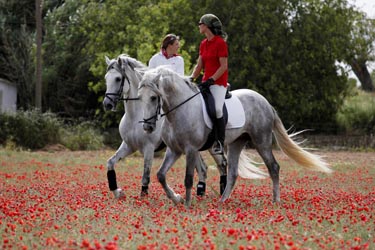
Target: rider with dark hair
[168,55]
[213,59]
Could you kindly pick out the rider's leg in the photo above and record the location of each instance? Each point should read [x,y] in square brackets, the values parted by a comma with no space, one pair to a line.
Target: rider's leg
[218,93]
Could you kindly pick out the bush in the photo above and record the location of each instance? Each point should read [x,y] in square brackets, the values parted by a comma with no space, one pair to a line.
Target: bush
[83,136]
[35,130]
[29,129]
[357,115]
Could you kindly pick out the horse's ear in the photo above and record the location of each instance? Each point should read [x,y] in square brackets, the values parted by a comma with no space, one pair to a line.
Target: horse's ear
[119,61]
[158,78]
[107,60]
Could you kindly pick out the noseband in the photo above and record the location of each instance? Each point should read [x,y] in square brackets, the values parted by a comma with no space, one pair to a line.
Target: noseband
[153,119]
[124,77]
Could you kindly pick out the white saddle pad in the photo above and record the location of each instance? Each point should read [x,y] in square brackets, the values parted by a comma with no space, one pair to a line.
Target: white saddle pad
[236,113]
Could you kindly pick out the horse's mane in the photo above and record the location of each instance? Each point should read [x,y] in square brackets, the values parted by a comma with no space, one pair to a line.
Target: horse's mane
[167,76]
[132,62]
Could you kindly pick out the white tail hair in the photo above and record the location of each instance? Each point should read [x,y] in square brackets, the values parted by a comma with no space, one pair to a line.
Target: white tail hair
[247,170]
[295,152]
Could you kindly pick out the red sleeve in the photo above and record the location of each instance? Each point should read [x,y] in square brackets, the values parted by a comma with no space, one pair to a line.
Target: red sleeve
[223,51]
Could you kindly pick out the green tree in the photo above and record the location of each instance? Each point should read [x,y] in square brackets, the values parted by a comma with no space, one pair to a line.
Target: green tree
[135,28]
[362,49]
[66,64]
[287,51]
[17,24]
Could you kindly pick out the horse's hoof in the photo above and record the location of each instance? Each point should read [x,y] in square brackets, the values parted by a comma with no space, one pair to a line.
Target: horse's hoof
[144,191]
[187,204]
[223,199]
[178,199]
[118,193]
[276,202]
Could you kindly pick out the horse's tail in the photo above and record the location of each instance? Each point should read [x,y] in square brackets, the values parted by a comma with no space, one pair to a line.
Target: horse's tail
[246,168]
[294,151]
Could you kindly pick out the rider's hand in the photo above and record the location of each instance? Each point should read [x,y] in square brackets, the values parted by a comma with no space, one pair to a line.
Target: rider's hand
[210,81]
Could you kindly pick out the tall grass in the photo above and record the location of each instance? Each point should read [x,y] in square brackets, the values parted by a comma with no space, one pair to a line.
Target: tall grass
[357,116]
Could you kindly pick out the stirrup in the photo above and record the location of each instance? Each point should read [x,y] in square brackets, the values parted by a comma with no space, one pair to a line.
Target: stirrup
[217,148]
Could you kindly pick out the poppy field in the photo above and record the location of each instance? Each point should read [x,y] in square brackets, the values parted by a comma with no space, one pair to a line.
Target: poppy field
[61,200]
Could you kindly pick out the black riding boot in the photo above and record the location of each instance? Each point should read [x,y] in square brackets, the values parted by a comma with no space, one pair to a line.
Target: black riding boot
[218,147]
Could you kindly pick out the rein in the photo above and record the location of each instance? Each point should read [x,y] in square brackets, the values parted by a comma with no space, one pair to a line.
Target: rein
[191,97]
[157,113]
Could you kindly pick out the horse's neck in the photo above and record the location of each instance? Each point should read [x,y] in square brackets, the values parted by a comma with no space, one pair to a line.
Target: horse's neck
[178,100]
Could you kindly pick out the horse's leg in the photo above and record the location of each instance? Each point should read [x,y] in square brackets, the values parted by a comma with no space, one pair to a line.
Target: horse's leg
[121,152]
[192,158]
[148,156]
[221,164]
[234,151]
[201,168]
[263,144]
[273,169]
[169,159]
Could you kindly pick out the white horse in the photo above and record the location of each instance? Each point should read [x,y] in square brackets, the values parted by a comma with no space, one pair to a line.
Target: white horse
[122,79]
[184,131]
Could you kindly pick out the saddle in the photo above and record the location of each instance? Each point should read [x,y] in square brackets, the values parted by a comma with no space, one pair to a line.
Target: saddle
[210,107]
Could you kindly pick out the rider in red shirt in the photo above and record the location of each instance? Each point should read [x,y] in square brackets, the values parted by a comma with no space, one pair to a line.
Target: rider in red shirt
[213,59]
[211,51]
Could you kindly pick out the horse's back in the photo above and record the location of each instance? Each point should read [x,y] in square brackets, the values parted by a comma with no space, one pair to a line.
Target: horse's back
[252,100]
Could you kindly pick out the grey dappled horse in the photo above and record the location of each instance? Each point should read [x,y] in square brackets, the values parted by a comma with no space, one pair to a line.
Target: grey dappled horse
[184,131]
[122,84]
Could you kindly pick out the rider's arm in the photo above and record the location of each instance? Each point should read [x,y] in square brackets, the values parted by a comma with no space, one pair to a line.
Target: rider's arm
[198,68]
[223,67]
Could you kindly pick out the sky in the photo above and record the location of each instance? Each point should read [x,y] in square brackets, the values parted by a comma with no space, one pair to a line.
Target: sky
[367,6]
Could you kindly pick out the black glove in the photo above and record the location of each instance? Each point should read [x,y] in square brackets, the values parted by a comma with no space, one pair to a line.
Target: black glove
[210,81]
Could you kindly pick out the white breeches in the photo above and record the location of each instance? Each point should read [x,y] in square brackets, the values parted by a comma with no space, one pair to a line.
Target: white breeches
[218,92]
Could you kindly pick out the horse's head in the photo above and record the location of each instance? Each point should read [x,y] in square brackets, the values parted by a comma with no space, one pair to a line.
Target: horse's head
[150,96]
[121,74]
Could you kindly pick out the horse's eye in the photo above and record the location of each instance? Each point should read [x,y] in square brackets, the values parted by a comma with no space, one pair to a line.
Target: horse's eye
[118,79]
[153,98]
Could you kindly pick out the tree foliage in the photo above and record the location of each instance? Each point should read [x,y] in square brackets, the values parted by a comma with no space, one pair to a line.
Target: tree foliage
[66,63]
[289,51]
[361,49]
[16,47]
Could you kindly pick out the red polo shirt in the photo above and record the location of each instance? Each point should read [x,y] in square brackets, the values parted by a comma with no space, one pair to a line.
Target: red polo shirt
[210,52]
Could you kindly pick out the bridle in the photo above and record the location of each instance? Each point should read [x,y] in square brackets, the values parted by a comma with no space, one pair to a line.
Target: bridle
[114,65]
[153,119]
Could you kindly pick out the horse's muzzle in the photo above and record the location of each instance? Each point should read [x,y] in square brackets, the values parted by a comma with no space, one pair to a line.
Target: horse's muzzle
[108,104]
[148,128]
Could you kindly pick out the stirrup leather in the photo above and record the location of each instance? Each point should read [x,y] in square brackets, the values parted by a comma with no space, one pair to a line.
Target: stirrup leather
[218,148]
